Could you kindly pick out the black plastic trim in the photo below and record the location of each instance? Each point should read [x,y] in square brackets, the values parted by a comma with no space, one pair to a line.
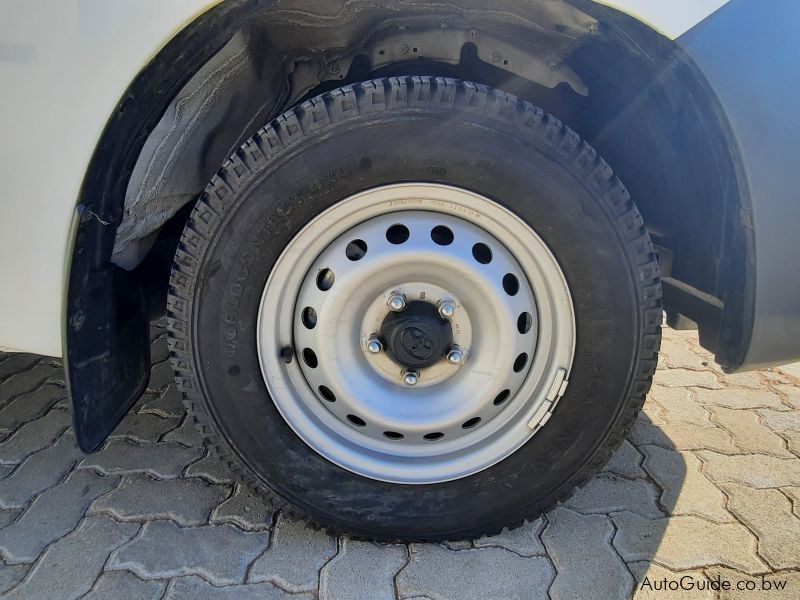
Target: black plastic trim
[107,356]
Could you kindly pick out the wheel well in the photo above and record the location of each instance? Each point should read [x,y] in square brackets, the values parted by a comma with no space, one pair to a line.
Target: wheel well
[600,71]
[243,62]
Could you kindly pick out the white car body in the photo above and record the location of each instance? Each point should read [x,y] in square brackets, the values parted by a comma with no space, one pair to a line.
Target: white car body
[64,66]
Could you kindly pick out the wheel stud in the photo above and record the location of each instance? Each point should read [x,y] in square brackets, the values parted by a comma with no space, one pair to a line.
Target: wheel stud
[447,309]
[397,302]
[455,356]
[410,377]
[374,345]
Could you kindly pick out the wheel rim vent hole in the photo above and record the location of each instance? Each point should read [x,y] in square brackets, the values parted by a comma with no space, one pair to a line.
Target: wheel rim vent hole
[470,423]
[356,250]
[520,362]
[393,435]
[482,253]
[357,421]
[442,235]
[436,435]
[309,318]
[501,397]
[325,279]
[397,234]
[510,284]
[310,358]
[327,394]
[524,323]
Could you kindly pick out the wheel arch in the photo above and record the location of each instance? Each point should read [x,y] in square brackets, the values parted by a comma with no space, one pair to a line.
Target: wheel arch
[106,337]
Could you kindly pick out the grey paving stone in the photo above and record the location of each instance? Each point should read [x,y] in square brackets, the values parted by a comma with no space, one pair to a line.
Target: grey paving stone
[750,380]
[459,544]
[608,493]
[626,461]
[790,394]
[69,567]
[691,437]
[5,470]
[678,355]
[652,412]
[793,493]
[197,589]
[645,432]
[161,375]
[163,460]
[781,421]
[210,468]
[124,585]
[159,349]
[754,470]
[158,328]
[11,575]
[16,363]
[40,471]
[773,376]
[140,498]
[361,571]
[769,514]
[245,509]
[683,436]
[30,406]
[436,572]
[34,436]
[580,545]
[51,515]
[29,380]
[523,540]
[144,427]
[683,378]
[749,434]
[792,370]
[295,556]
[168,404]
[793,440]
[218,553]
[678,405]
[740,398]
[7,516]
[685,490]
[686,542]
[186,434]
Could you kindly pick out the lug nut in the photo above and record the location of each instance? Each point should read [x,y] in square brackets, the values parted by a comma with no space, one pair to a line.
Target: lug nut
[455,356]
[397,302]
[410,378]
[374,345]
[447,309]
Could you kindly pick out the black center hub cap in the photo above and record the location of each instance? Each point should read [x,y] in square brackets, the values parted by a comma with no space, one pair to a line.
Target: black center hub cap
[417,337]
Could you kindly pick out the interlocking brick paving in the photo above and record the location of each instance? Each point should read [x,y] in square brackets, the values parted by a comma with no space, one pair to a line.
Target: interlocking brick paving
[707,485]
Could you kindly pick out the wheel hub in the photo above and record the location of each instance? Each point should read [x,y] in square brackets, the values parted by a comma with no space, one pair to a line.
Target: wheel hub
[417,337]
[430,325]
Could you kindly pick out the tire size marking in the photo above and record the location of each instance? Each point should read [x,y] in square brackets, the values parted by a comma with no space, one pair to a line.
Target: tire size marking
[438,205]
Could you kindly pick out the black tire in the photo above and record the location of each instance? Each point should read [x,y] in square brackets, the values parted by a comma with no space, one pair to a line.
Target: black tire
[414,129]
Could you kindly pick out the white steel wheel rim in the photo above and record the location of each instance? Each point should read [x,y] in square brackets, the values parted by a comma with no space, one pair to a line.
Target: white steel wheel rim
[344,402]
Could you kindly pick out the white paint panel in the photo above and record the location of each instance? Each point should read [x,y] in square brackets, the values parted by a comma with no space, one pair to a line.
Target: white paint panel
[64,65]
[672,18]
